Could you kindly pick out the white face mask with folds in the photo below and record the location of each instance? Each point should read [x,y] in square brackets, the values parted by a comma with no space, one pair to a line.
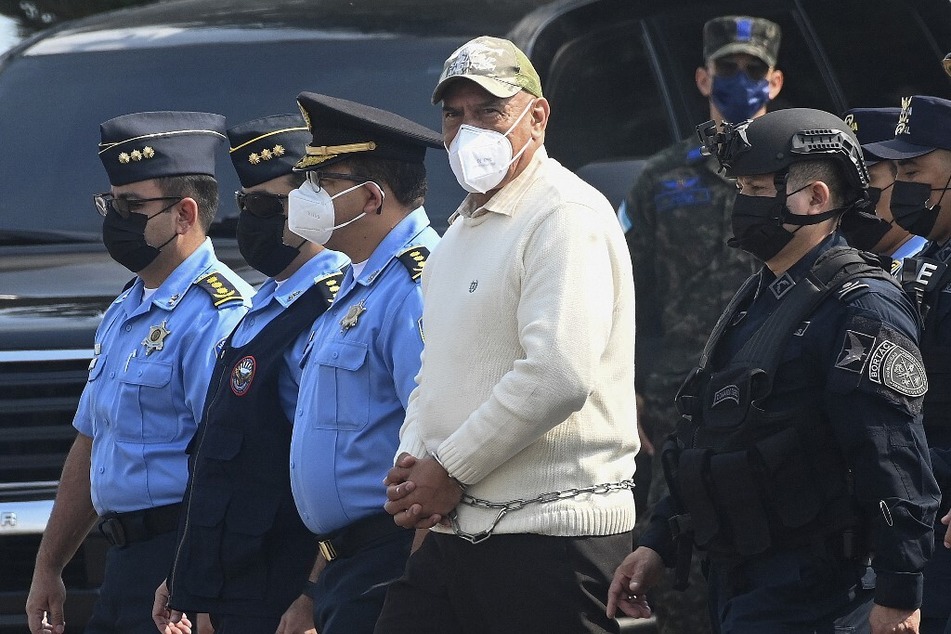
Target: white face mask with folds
[480,158]
[310,211]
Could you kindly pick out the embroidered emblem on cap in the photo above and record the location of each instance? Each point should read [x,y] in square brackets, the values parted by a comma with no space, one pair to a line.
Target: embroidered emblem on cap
[266,154]
[137,155]
[155,340]
[353,315]
[903,118]
[896,368]
[242,374]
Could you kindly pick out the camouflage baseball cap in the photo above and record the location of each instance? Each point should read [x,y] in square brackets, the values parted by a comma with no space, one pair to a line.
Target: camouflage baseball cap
[495,64]
[730,34]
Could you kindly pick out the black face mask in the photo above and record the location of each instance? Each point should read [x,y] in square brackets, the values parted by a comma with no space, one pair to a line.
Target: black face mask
[758,223]
[261,242]
[125,240]
[757,226]
[910,208]
[863,229]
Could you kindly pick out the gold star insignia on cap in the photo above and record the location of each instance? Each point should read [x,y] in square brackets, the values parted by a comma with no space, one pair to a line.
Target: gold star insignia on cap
[254,158]
[353,314]
[155,340]
[266,154]
[135,155]
[148,152]
[123,157]
[278,150]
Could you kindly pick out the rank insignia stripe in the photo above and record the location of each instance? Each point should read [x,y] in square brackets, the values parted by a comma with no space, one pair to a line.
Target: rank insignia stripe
[414,259]
[220,289]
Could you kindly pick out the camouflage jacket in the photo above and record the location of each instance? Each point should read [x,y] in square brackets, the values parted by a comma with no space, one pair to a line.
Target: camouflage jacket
[685,274]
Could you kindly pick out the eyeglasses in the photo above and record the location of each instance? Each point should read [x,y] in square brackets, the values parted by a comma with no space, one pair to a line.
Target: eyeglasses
[755,69]
[106,202]
[261,204]
[316,176]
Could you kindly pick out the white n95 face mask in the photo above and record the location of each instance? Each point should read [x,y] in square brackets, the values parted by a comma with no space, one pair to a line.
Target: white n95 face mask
[310,212]
[480,158]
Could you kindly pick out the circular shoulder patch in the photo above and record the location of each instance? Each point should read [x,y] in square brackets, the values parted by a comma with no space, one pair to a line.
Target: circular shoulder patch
[242,374]
[898,369]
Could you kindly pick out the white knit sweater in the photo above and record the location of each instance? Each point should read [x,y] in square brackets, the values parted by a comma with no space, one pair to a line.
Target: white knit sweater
[527,380]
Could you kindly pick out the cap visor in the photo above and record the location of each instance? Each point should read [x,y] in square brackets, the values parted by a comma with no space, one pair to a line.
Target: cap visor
[896,149]
[493,86]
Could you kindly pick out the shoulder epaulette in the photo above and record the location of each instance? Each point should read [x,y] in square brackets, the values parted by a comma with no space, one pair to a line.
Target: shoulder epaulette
[414,259]
[221,290]
[329,285]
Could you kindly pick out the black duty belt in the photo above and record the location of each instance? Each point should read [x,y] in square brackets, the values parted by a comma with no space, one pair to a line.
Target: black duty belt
[351,539]
[122,529]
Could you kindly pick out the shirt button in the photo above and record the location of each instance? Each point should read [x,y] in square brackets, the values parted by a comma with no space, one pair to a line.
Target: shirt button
[140,372]
[251,321]
[292,465]
[334,355]
[128,327]
[102,469]
[112,375]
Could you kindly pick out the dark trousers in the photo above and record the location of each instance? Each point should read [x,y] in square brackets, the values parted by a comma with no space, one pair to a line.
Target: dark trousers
[795,592]
[132,574]
[349,592]
[936,602]
[509,583]
[243,624]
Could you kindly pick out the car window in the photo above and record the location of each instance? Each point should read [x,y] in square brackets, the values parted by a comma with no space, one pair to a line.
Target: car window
[49,104]
[879,51]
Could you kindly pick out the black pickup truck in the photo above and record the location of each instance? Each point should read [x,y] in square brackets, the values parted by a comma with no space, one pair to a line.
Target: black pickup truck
[618,73]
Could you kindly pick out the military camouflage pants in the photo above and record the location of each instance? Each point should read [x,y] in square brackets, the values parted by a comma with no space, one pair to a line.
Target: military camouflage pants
[677,612]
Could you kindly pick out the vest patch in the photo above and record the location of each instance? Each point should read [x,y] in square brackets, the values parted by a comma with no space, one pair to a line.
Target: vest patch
[854,351]
[242,374]
[782,285]
[726,393]
[896,368]
[801,330]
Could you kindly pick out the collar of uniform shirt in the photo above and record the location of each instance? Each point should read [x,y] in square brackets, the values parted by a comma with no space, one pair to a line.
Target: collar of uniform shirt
[504,200]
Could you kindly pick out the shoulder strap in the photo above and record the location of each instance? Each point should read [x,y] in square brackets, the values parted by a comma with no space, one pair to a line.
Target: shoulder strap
[836,270]
[414,259]
[329,285]
[739,299]
[221,290]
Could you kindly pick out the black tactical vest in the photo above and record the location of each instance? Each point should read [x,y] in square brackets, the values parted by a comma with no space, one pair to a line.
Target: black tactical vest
[749,477]
[923,279]
[243,546]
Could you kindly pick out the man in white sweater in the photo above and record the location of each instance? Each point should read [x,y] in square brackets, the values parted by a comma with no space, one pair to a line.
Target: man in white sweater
[522,424]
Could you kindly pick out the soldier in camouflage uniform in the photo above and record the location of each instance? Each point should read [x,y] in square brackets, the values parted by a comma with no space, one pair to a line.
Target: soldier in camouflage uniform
[677,222]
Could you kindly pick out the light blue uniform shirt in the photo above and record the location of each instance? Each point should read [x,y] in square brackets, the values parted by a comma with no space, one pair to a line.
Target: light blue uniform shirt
[356,383]
[142,403]
[911,248]
[270,301]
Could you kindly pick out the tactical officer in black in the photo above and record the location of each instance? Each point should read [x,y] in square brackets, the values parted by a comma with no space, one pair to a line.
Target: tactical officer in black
[921,148]
[799,468]
[243,553]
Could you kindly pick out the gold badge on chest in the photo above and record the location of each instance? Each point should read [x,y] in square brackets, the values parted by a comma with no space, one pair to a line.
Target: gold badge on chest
[353,315]
[155,340]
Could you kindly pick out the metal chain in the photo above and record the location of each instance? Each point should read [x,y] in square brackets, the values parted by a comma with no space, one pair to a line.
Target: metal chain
[514,505]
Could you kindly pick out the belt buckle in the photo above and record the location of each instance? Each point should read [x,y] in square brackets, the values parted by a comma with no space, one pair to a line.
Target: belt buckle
[112,529]
[327,549]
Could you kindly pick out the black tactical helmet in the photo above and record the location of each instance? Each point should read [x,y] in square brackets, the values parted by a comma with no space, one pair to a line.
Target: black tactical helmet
[772,142]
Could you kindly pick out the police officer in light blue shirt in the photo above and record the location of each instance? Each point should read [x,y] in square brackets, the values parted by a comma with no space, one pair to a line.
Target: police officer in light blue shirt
[245,569]
[153,355]
[363,196]
[883,236]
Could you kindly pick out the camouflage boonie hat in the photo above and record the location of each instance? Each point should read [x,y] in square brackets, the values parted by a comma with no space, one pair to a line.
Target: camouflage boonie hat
[730,34]
[495,64]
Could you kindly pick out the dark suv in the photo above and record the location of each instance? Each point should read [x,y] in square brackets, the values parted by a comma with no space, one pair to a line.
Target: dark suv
[619,75]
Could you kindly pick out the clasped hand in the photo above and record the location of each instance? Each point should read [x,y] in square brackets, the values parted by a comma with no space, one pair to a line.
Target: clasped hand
[420,494]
